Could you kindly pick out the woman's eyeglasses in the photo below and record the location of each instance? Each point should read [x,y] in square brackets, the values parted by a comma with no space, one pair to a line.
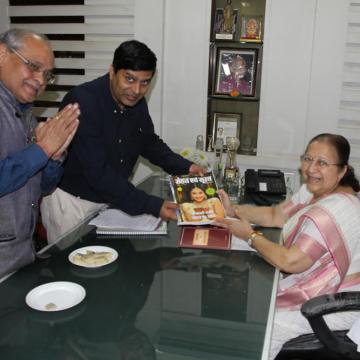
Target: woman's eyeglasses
[47,74]
[322,164]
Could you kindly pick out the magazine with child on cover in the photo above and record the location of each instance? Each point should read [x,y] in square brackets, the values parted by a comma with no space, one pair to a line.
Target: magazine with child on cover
[199,203]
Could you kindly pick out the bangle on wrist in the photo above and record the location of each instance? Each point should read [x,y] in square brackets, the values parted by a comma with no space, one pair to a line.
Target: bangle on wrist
[253,236]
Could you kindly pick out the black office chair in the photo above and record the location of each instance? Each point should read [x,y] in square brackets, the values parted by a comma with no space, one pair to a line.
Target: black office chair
[323,343]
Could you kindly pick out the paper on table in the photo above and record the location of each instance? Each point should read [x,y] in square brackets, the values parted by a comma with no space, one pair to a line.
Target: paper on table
[354,333]
[114,218]
[240,244]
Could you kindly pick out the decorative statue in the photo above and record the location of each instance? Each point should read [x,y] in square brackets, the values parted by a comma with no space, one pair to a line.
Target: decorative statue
[228,17]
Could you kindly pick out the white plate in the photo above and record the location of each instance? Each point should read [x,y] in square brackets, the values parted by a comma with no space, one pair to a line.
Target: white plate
[83,250]
[55,296]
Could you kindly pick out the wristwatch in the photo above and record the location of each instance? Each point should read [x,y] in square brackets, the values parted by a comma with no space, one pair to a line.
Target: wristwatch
[253,236]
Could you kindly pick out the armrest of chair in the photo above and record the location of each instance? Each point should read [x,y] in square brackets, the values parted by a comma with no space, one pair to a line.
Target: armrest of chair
[326,304]
[314,310]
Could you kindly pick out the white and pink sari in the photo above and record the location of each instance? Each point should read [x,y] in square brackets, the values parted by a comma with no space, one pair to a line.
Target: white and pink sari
[329,232]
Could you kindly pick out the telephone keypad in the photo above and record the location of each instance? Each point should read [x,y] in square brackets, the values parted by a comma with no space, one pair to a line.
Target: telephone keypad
[274,185]
[265,181]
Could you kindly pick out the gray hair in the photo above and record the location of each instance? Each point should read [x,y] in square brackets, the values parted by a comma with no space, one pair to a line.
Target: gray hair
[14,38]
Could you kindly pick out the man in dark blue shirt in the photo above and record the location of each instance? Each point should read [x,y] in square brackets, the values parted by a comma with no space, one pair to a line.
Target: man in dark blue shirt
[115,129]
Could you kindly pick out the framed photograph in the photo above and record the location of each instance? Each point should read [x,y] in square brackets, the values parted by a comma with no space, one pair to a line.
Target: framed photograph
[235,71]
[225,24]
[226,124]
[251,28]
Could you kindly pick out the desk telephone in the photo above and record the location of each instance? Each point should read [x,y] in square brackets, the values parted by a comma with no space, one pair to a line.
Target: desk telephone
[263,181]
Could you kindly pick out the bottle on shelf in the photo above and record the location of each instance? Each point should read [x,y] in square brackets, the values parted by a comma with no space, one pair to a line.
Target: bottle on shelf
[199,143]
[218,166]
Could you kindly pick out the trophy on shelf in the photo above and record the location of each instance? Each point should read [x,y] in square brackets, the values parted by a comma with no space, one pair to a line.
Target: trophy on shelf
[228,17]
[231,173]
[209,147]
[218,167]
[199,143]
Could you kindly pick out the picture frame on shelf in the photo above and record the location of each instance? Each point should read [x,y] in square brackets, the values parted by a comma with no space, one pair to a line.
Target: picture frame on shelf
[224,125]
[251,28]
[235,72]
[225,25]
[246,144]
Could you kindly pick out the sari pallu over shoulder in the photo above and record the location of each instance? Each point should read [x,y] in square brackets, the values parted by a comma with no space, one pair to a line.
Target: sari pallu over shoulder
[328,275]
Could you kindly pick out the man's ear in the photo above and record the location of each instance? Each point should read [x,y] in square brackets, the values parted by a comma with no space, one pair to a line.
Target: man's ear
[111,71]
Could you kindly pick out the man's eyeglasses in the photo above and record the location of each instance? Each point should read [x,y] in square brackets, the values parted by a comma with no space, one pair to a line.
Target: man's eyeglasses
[322,164]
[47,74]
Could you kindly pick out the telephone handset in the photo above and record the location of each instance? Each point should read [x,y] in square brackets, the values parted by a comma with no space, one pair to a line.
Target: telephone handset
[265,181]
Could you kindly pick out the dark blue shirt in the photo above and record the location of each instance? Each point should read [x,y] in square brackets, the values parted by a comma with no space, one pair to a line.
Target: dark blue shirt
[106,148]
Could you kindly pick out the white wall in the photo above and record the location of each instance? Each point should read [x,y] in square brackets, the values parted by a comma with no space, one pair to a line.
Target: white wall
[327,66]
[152,34]
[302,69]
[186,54]
[181,42]
[288,36]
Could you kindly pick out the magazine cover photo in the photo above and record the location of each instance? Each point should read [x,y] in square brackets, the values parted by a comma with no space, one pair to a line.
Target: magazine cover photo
[198,200]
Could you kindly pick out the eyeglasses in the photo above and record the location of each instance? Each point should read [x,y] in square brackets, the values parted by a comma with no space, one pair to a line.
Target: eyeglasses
[47,74]
[322,164]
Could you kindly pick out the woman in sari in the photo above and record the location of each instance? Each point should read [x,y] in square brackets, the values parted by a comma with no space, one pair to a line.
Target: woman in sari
[320,250]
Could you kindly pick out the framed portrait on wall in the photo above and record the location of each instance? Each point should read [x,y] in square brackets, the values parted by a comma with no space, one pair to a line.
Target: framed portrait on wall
[226,124]
[251,28]
[235,72]
[225,24]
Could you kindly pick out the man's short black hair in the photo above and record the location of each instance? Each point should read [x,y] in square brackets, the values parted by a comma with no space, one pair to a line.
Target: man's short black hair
[134,55]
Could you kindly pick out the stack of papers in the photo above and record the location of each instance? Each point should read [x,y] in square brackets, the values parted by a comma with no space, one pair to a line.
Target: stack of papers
[240,244]
[116,222]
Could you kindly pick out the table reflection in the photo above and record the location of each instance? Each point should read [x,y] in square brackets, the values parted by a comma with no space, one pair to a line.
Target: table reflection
[156,301]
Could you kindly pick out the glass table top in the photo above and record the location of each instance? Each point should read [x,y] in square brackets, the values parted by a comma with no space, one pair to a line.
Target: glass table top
[156,301]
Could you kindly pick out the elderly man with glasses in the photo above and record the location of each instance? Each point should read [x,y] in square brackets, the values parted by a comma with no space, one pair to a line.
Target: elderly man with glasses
[30,153]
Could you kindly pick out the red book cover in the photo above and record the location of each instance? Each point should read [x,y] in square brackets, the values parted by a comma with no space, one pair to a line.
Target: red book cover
[205,237]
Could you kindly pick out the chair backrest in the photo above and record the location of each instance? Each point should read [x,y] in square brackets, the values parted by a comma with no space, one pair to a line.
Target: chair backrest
[314,310]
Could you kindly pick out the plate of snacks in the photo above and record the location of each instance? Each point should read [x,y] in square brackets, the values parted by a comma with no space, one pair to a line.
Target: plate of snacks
[93,256]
